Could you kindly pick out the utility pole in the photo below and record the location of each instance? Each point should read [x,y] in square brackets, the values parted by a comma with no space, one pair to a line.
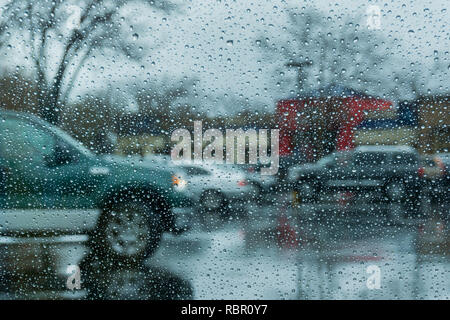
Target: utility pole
[301,75]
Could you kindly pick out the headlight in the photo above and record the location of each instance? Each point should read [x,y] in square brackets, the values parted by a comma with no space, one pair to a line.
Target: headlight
[178,182]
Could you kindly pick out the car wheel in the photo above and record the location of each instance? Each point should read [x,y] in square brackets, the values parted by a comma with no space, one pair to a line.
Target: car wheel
[128,232]
[395,191]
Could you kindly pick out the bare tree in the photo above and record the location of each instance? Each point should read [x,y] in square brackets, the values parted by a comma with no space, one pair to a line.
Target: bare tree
[17,92]
[62,35]
[420,80]
[163,95]
[332,52]
[168,101]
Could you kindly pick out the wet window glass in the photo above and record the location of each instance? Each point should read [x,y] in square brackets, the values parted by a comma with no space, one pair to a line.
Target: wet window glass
[170,149]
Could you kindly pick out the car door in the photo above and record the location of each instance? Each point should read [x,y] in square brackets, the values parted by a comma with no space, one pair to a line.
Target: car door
[21,165]
[76,176]
[370,168]
[49,184]
[45,170]
[337,171]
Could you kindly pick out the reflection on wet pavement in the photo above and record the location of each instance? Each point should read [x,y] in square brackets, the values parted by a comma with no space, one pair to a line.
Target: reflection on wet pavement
[137,283]
[329,258]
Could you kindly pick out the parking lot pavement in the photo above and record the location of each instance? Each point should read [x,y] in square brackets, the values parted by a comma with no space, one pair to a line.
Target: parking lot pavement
[220,266]
[271,258]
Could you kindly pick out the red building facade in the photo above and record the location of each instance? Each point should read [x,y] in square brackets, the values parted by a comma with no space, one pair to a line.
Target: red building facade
[338,115]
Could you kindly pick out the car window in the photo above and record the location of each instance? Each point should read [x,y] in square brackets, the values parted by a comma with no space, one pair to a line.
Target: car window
[403,158]
[70,143]
[370,159]
[22,141]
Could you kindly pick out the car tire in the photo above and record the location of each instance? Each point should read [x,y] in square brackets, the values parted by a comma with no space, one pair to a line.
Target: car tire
[128,232]
[395,191]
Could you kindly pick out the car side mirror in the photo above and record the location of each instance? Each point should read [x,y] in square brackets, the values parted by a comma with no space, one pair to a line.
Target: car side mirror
[61,155]
[49,160]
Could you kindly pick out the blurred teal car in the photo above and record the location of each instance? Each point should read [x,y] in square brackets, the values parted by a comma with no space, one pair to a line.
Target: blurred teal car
[53,187]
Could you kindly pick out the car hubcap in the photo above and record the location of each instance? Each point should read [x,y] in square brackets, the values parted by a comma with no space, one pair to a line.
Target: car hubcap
[396,191]
[127,232]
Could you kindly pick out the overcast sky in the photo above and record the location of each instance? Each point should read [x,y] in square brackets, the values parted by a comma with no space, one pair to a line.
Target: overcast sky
[214,41]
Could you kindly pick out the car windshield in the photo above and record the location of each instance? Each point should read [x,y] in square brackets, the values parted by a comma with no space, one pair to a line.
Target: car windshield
[331,159]
[444,157]
[73,142]
[224,150]
[429,162]
[335,158]
[403,159]
[328,160]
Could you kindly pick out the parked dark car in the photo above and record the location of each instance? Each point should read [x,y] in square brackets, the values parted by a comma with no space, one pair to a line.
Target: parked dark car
[52,187]
[370,173]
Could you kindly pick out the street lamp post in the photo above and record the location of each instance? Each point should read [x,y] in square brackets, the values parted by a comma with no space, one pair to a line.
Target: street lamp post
[301,66]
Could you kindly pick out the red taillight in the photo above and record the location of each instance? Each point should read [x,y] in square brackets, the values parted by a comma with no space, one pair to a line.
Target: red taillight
[421,172]
[242,183]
